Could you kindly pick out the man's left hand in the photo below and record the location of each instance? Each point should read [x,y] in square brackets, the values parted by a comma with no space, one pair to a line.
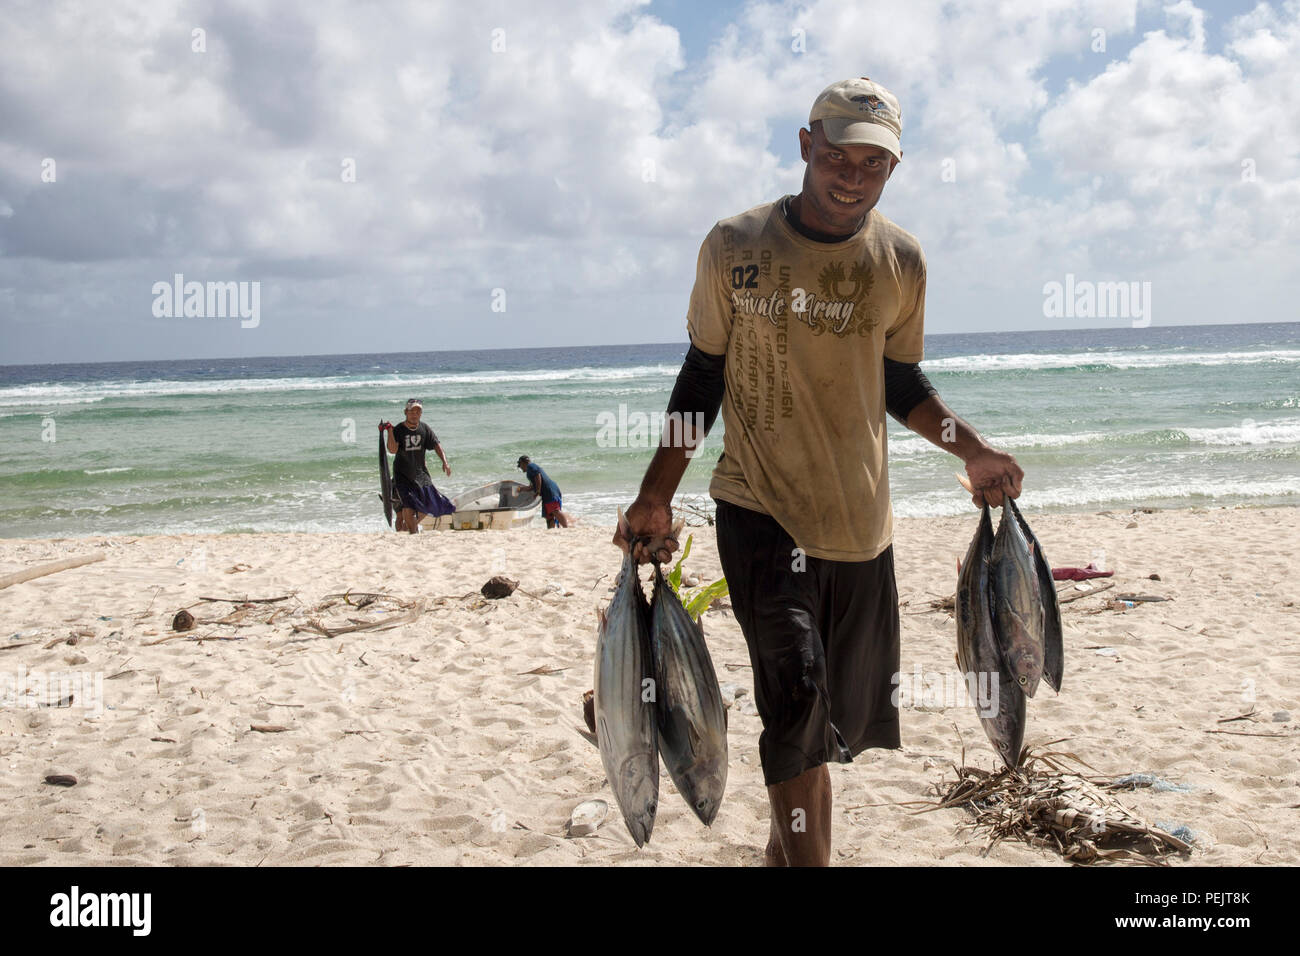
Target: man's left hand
[994,474]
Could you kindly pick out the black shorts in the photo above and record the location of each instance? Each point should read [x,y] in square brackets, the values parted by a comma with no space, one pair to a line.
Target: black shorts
[823,640]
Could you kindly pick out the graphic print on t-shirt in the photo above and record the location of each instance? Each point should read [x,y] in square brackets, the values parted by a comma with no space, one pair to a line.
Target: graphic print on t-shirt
[839,305]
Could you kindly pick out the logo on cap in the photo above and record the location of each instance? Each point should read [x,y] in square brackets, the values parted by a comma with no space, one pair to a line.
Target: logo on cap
[872,101]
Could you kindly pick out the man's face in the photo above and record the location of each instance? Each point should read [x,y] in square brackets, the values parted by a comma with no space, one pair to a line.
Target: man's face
[841,184]
[413,415]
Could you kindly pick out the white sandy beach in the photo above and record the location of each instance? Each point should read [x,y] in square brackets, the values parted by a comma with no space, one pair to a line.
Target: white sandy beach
[431,743]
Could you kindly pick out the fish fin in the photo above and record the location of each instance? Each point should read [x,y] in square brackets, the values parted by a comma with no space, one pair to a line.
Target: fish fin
[624,528]
[965,482]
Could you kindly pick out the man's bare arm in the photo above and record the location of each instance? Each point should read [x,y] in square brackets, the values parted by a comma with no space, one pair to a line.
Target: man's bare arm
[992,472]
[697,394]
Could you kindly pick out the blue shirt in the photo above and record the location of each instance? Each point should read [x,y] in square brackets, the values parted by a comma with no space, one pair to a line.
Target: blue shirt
[550,490]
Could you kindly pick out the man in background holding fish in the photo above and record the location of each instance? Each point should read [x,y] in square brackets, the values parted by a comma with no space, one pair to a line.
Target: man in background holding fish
[407,442]
[806,325]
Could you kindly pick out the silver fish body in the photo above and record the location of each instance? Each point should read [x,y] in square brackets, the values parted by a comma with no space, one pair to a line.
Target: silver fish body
[1017,606]
[626,730]
[1000,702]
[691,715]
[1053,633]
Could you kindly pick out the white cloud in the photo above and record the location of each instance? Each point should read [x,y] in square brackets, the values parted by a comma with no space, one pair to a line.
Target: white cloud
[581,165]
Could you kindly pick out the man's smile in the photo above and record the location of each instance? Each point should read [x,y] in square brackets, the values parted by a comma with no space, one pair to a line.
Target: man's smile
[845,199]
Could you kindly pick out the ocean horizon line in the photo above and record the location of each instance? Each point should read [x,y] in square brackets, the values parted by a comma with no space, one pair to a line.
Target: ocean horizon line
[597,345]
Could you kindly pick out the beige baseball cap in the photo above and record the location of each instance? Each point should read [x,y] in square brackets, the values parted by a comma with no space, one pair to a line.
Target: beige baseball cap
[859,112]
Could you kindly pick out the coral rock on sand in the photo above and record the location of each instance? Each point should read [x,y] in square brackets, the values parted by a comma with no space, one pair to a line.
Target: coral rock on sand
[499,586]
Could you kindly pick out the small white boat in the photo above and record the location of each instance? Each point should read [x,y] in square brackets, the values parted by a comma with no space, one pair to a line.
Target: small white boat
[500,504]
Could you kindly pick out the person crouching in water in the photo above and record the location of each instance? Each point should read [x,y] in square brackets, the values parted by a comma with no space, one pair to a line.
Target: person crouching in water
[416,494]
[549,491]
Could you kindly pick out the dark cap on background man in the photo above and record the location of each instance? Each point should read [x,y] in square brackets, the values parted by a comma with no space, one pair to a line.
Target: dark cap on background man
[859,112]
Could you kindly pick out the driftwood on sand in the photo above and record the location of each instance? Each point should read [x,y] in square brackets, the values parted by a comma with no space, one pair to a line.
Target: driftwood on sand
[18,577]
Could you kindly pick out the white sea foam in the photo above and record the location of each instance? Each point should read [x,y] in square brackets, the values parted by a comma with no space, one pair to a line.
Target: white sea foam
[915,445]
[1111,492]
[1117,360]
[1285,432]
[51,393]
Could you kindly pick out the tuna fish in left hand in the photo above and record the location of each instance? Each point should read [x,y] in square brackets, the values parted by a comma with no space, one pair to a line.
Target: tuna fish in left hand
[692,719]
[624,703]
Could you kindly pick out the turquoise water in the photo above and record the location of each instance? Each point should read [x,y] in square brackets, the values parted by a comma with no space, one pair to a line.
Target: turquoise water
[1168,417]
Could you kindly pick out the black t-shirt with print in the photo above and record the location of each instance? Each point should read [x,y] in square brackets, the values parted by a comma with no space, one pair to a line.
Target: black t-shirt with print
[408,463]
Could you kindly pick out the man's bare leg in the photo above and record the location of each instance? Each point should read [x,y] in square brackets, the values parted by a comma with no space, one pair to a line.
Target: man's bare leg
[801,819]
[412,525]
[773,855]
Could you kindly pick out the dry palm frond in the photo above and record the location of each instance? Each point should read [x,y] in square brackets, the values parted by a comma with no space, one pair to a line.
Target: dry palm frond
[1046,802]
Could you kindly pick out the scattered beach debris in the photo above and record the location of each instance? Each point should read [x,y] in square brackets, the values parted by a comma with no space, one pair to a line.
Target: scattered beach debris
[248,600]
[1080,574]
[499,586]
[1045,802]
[1138,781]
[586,818]
[1144,598]
[731,692]
[544,670]
[61,780]
[53,567]
[1248,715]
[693,510]
[236,569]
[268,728]
[1179,831]
[1083,591]
[383,624]
[947,604]
[183,621]
[1153,577]
[1282,716]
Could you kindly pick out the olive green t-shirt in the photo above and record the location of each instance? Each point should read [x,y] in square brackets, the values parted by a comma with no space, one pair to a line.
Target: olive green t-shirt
[804,326]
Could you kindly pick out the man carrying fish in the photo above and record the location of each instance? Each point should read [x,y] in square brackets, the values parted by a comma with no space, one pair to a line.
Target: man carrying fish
[806,325]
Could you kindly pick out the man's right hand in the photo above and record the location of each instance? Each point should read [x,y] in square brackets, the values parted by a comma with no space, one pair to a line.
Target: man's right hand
[653,523]
[385,426]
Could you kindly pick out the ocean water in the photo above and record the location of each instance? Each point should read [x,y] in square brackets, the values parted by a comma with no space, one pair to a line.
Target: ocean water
[1108,418]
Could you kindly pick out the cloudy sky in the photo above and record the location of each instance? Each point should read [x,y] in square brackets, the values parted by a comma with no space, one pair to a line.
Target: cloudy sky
[387,171]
